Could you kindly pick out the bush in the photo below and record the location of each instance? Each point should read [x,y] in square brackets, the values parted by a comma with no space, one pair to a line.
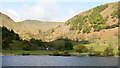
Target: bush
[84,42]
[100,27]
[91,50]
[68,45]
[25,54]
[87,30]
[65,53]
[81,48]
[26,47]
[95,53]
[56,53]
[108,51]
[119,48]
[97,19]
[52,30]
[97,27]
[115,25]
[114,20]
[118,53]
[80,28]
[116,14]
[98,53]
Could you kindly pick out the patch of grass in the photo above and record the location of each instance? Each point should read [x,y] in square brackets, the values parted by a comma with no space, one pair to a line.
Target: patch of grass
[101,48]
[97,47]
[17,45]
[30,52]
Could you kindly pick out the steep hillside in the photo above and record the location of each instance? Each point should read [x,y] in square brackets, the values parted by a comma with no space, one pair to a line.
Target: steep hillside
[100,17]
[99,23]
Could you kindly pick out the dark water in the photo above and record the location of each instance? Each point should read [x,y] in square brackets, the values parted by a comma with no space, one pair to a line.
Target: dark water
[58,61]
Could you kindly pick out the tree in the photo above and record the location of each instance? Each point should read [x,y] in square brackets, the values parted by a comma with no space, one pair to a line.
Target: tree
[26,45]
[35,44]
[8,37]
[81,48]
[68,45]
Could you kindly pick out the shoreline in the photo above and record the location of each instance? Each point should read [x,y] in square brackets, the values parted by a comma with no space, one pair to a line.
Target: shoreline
[79,55]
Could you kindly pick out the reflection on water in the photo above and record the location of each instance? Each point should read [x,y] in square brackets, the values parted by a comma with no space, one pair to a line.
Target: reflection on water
[58,61]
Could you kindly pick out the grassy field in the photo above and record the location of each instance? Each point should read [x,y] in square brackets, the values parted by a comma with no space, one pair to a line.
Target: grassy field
[98,46]
[42,52]
[101,48]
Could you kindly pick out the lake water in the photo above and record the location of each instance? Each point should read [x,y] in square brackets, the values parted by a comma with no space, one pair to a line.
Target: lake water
[58,61]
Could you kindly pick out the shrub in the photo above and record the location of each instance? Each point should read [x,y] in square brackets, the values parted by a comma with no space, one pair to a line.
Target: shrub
[98,53]
[87,30]
[118,53]
[84,41]
[65,53]
[119,48]
[52,30]
[95,53]
[108,51]
[114,14]
[97,27]
[91,50]
[25,54]
[68,45]
[81,48]
[97,19]
[115,25]
[56,53]
[26,47]
[80,28]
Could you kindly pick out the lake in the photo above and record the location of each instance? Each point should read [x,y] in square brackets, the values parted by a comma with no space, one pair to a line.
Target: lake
[58,61]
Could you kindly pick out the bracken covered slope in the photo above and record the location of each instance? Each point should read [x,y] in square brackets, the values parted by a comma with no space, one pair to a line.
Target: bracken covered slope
[100,23]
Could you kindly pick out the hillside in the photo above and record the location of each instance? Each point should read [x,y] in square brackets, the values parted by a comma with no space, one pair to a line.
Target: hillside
[27,28]
[95,23]
[97,18]
[101,21]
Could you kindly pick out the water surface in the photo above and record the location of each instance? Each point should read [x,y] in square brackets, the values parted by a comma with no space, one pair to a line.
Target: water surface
[58,61]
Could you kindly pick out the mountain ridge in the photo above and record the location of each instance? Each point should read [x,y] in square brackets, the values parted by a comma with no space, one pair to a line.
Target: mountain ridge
[72,28]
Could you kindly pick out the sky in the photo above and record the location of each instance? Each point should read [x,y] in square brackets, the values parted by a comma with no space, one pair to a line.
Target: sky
[47,10]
